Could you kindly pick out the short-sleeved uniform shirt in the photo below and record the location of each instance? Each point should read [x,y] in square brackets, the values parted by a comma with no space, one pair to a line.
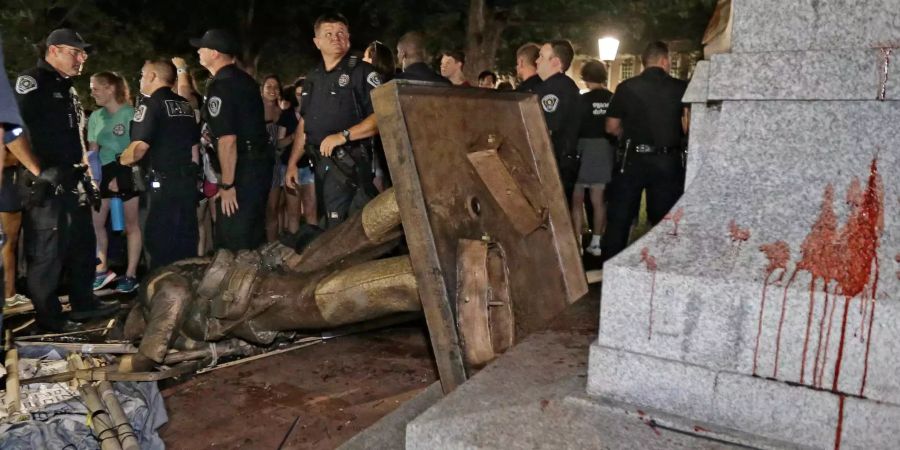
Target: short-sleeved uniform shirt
[52,114]
[592,107]
[335,100]
[650,108]
[421,72]
[234,107]
[112,132]
[559,98]
[166,122]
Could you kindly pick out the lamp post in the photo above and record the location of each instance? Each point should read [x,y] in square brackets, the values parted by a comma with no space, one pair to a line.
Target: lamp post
[608,47]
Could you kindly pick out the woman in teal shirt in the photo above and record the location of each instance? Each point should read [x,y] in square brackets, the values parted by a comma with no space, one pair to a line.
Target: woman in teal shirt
[109,133]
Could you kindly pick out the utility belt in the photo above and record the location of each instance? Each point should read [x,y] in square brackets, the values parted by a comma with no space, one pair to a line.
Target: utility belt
[350,164]
[159,177]
[631,148]
[57,181]
[247,150]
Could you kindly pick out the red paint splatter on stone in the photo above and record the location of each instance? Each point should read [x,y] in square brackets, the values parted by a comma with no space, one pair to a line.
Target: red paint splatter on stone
[700,429]
[675,217]
[840,423]
[650,262]
[737,233]
[781,322]
[778,254]
[544,403]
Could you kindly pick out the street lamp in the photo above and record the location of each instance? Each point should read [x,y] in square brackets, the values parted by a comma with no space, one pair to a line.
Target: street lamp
[608,47]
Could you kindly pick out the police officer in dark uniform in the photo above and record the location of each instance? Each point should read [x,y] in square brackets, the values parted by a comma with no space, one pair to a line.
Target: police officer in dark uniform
[165,126]
[58,229]
[648,116]
[526,67]
[411,54]
[338,119]
[236,119]
[559,98]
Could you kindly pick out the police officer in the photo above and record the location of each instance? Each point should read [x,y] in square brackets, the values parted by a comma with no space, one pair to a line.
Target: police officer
[338,119]
[559,98]
[58,229]
[165,126]
[647,115]
[526,67]
[236,120]
[411,54]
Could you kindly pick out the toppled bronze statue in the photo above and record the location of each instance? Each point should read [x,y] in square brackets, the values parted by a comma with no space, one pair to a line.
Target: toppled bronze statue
[331,279]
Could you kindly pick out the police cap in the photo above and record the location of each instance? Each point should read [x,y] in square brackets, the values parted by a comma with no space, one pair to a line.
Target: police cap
[219,40]
[67,36]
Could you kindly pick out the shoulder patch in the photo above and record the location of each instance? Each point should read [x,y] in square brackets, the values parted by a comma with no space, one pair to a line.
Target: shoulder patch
[549,102]
[374,79]
[214,105]
[139,113]
[25,84]
[178,108]
[119,129]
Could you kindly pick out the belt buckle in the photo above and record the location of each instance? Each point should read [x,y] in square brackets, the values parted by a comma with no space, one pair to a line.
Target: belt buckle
[642,148]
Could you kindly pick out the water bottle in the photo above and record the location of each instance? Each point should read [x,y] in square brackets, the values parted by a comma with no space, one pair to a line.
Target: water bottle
[93,158]
[117,214]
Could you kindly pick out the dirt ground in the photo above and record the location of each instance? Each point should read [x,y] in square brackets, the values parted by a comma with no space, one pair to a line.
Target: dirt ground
[336,389]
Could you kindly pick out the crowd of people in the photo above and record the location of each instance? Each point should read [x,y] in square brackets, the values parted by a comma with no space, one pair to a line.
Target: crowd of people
[253,159]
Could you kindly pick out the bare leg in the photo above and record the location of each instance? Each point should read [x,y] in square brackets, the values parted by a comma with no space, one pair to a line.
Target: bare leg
[12,223]
[597,194]
[133,236]
[578,211]
[272,214]
[292,210]
[308,202]
[100,232]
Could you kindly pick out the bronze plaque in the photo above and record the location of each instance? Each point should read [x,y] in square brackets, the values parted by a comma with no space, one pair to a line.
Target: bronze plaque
[478,164]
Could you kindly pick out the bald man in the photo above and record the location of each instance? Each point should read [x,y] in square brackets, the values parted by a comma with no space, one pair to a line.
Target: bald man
[411,54]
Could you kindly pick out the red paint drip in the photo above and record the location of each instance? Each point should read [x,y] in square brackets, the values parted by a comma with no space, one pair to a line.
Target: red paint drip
[840,423]
[828,337]
[650,262]
[778,253]
[809,316]
[762,308]
[700,429]
[737,233]
[840,353]
[817,371]
[781,323]
[675,217]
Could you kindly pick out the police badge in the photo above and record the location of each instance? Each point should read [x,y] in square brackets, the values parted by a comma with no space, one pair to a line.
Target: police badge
[214,105]
[139,114]
[549,102]
[344,80]
[374,79]
[26,84]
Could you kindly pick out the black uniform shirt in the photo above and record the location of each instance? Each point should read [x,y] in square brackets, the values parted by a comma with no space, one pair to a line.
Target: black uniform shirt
[592,107]
[234,107]
[559,96]
[421,72]
[335,100]
[52,114]
[650,108]
[167,123]
[529,85]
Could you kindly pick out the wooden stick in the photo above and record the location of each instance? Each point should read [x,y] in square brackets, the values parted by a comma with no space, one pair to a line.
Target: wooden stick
[71,333]
[305,342]
[13,401]
[98,418]
[110,374]
[123,427]
[110,348]
[594,276]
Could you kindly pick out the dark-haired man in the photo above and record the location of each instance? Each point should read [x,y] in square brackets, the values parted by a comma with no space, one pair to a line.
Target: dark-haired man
[526,67]
[236,120]
[165,127]
[558,95]
[58,228]
[452,62]
[647,115]
[338,120]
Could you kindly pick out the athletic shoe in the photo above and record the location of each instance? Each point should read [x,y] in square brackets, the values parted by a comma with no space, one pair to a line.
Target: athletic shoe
[127,285]
[101,279]
[594,250]
[16,300]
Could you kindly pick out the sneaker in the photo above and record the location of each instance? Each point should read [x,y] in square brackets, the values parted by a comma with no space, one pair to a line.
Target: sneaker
[16,300]
[127,285]
[594,250]
[101,279]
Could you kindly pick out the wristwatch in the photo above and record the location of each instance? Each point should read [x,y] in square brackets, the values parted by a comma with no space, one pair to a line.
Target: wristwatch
[180,70]
[346,135]
[224,186]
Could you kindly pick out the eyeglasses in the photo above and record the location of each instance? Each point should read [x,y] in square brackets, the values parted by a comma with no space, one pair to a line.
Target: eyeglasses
[73,52]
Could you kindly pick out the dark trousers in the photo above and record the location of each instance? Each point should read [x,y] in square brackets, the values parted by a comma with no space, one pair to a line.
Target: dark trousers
[343,191]
[661,175]
[246,228]
[171,232]
[59,235]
